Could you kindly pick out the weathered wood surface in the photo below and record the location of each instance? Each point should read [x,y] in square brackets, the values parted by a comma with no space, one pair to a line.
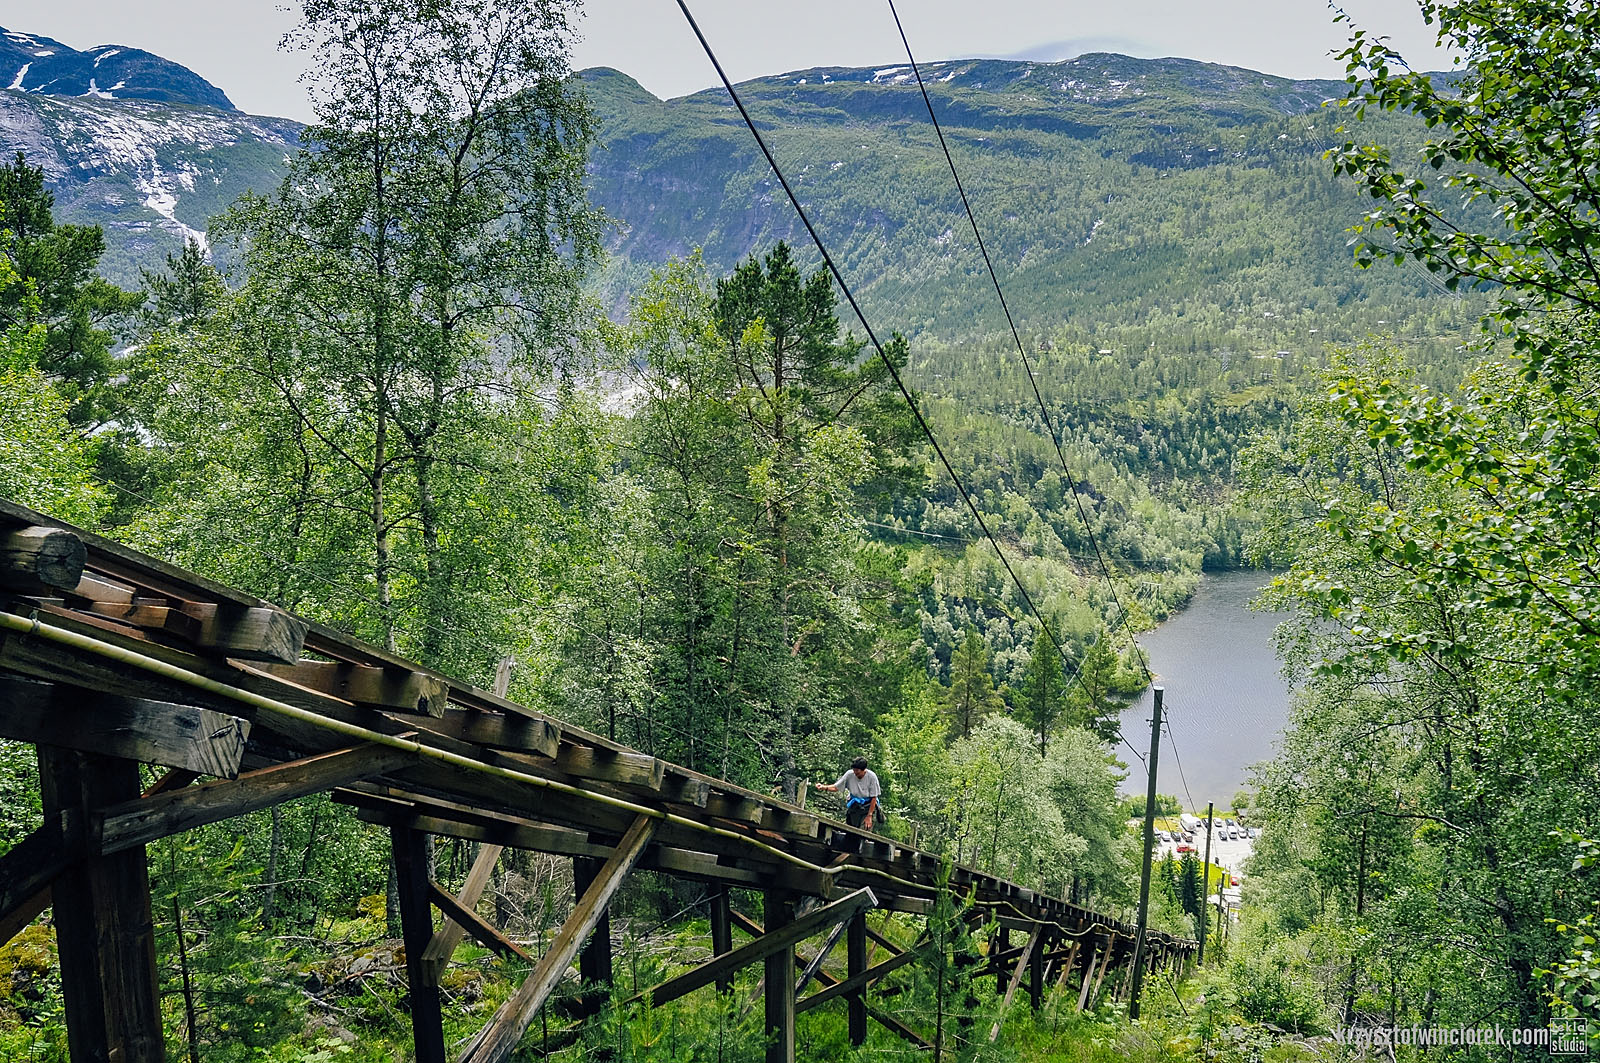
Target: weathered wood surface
[148,818]
[853,985]
[470,923]
[138,729]
[443,945]
[30,866]
[496,1040]
[41,559]
[416,924]
[104,932]
[402,690]
[780,1013]
[1016,980]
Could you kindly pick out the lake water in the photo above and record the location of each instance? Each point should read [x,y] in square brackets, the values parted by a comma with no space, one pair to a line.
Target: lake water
[1225,701]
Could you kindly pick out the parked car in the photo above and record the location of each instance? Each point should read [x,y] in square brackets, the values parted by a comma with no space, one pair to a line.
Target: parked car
[1186,849]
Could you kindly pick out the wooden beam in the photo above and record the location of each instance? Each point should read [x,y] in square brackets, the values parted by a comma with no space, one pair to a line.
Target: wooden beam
[780,1013]
[137,729]
[518,734]
[416,924]
[1089,958]
[815,963]
[624,769]
[253,633]
[40,559]
[105,935]
[856,967]
[497,1040]
[29,867]
[856,982]
[1016,980]
[895,1026]
[443,946]
[733,806]
[594,959]
[394,689]
[721,933]
[133,823]
[764,945]
[150,614]
[470,922]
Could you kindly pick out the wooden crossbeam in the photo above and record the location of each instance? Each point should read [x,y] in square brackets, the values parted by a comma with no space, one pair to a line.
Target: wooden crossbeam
[474,924]
[1016,980]
[508,731]
[134,823]
[854,982]
[497,1040]
[765,944]
[816,962]
[624,769]
[444,943]
[137,729]
[28,869]
[895,1026]
[1089,958]
[395,689]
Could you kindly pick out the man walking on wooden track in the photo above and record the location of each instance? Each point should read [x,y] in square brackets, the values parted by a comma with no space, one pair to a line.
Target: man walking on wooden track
[861,783]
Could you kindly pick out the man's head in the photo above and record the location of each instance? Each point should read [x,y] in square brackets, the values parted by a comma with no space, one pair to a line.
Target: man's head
[859,766]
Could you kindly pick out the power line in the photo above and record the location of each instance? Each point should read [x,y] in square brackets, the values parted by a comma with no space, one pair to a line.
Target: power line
[872,336]
[1027,364]
[1166,725]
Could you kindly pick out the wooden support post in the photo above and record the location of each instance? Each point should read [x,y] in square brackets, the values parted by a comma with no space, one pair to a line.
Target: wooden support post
[1105,965]
[1067,965]
[594,962]
[1036,977]
[856,965]
[780,975]
[721,933]
[104,931]
[416,924]
[497,1040]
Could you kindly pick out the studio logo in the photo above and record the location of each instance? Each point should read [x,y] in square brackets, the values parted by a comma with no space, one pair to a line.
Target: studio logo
[1569,1037]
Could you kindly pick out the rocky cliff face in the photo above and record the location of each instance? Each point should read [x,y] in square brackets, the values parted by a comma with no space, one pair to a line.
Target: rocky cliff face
[33,64]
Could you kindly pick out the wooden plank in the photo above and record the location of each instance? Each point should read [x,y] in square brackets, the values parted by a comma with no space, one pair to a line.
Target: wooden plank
[1089,958]
[155,732]
[134,823]
[29,867]
[104,932]
[470,922]
[1016,980]
[93,588]
[594,959]
[416,924]
[151,615]
[497,1040]
[733,806]
[764,945]
[394,689]
[443,945]
[625,769]
[856,982]
[41,559]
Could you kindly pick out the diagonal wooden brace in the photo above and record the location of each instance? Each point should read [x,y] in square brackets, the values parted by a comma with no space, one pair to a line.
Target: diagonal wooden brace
[496,1041]
[444,943]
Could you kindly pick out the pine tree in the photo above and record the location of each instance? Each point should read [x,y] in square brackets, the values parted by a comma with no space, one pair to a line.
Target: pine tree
[1043,691]
[971,696]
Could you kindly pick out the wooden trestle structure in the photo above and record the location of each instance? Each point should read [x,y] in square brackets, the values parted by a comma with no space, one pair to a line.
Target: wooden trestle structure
[110,659]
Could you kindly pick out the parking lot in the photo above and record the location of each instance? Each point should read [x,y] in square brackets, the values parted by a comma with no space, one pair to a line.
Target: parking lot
[1227,853]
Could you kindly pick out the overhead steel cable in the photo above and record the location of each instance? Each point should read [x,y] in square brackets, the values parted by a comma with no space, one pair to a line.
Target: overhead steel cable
[888,363]
[1027,363]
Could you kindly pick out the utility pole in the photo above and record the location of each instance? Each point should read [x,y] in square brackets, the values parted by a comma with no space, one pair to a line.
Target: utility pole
[1222,921]
[1205,909]
[1149,851]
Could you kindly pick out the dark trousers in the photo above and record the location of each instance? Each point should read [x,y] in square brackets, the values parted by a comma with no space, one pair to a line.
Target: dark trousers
[856,814]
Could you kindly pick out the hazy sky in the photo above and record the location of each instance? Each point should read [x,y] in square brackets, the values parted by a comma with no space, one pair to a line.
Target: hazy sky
[234,43]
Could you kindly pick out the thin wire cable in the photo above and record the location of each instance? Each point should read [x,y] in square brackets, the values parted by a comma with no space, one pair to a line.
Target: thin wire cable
[1166,725]
[872,336]
[1027,364]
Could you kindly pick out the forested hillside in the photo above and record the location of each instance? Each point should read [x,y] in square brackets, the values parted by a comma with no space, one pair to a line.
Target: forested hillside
[693,516]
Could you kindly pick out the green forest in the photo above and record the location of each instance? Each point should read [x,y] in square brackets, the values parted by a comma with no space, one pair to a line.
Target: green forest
[680,503]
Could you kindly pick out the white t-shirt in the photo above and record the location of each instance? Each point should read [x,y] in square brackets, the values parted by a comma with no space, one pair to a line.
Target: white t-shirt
[866,786]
